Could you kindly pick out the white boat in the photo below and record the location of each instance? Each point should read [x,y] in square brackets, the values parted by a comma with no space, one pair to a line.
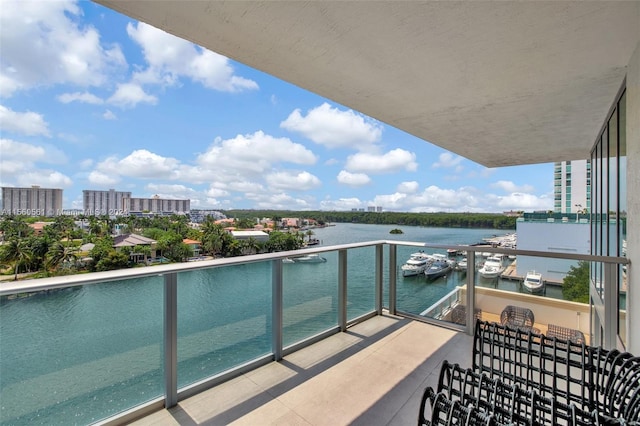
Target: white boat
[533,282]
[309,258]
[462,264]
[437,268]
[416,264]
[492,267]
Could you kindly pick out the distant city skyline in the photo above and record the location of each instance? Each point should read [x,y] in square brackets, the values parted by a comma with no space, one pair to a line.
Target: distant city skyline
[90,99]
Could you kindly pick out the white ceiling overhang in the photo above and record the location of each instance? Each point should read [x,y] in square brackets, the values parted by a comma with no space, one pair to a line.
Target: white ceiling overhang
[500,83]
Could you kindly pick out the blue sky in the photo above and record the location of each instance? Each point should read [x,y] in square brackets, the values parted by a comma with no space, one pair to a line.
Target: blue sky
[91,99]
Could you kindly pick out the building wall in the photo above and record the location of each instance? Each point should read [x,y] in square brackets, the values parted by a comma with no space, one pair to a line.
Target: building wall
[560,237]
[633,200]
[34,201]
[572,181]
[109,202]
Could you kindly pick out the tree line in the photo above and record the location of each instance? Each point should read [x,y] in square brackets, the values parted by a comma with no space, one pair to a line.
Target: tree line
[439,220]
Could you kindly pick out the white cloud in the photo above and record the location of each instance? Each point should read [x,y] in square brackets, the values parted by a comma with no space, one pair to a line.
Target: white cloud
[353,179]
[170,58]
[82,97]
[334,128]
[278,201]
[341,204]
[520,201]
[26,123]
[17,150]
[392,161]
[128,95]
[25,153]
[448,160]
[508,186]
[141,164]
[217,192]
[249,155]
[292,181]
[103,179]
[408,187]
[391,201]
[45,178]
[109,115]
[44,44]
[172,191]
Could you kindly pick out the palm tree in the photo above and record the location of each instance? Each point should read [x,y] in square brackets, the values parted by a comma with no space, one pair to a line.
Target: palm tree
[18,251]
[60,254]
[251,246]
[309,233]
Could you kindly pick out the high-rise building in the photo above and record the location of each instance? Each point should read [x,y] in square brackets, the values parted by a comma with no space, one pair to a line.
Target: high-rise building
[109,202]
[34,201]
[156,205]
[572,186]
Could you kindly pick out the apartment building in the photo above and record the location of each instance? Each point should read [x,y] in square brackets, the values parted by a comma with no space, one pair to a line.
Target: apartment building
[156,205]
[33,201]
[110,202]
[572,186]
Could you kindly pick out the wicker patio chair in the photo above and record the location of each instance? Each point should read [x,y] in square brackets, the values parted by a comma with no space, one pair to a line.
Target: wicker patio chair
[565,333]
[517,317]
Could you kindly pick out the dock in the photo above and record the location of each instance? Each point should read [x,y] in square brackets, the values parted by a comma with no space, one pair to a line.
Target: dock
[511,275]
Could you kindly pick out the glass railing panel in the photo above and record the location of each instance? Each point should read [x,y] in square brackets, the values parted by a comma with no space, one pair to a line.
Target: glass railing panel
[539,293]
[361,281]
[310,296]
[224,319]
[417,292]
[80,354]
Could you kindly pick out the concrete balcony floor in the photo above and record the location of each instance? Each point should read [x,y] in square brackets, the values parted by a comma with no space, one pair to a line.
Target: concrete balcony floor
[373,374]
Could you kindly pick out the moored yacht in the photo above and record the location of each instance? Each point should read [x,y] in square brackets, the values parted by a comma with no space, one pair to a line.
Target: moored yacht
[533,282]
[416,264]
[437,269]
[492,267]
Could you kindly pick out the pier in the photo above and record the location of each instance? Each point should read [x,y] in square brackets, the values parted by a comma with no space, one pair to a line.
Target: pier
[510,274]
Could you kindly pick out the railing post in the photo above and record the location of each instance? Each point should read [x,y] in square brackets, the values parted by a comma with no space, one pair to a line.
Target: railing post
[342,289]
[471,291]
[393,254]
[610,305]
[276,309]
[170,340]
[379,277]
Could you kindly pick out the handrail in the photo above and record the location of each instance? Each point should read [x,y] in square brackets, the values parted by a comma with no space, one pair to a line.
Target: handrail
[49,283]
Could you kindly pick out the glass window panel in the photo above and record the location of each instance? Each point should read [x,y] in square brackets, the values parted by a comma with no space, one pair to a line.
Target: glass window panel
[622,228]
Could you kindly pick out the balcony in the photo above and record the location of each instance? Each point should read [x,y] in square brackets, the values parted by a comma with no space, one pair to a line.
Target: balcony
[354,341]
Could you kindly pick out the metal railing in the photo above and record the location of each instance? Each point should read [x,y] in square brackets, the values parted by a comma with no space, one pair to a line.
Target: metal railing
[381,279]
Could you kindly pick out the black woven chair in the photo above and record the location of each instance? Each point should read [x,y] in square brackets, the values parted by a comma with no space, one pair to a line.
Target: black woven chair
[517,317]
[575,336]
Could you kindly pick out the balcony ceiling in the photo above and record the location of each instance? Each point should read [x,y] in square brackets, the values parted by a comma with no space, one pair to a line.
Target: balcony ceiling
[501,83]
